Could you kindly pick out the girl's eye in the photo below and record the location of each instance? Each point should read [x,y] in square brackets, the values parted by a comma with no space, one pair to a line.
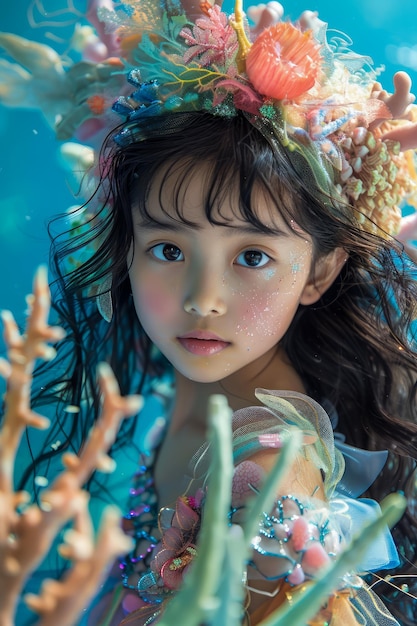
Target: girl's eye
[252,258]
[167,252]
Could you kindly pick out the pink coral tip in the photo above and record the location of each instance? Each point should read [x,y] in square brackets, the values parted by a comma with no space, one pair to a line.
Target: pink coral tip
[300,534]
[283,62]
[314,559]
[297,576]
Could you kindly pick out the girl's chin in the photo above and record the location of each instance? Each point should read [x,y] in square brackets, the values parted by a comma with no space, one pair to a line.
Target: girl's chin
[197,375]
[203,380]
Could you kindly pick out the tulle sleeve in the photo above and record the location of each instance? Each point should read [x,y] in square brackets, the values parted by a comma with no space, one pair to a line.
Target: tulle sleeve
[260,427]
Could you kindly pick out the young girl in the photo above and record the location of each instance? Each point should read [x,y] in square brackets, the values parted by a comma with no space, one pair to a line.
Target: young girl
[242,237]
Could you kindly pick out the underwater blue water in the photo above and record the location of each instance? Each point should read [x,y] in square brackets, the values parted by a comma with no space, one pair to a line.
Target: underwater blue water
[33,183]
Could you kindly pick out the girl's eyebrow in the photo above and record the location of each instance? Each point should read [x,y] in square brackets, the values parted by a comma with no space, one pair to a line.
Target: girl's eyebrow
[175,226]
[247,229]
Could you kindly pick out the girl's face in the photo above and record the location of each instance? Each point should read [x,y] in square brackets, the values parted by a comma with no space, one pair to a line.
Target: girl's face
[215,299]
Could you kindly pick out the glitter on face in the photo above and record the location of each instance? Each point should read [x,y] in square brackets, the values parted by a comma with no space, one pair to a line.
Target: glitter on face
[297,260]
[270,273]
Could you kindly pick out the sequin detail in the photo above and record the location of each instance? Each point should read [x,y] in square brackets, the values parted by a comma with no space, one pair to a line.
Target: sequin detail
[141,524]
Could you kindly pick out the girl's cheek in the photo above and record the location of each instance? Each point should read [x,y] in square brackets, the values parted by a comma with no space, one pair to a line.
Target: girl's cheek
[266,314]
[154,303]
[258,315]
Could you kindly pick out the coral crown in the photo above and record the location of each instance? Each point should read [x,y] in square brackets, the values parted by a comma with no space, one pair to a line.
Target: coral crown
[313,95]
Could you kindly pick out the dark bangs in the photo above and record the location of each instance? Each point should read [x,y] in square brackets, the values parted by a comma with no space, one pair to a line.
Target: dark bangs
[237,161]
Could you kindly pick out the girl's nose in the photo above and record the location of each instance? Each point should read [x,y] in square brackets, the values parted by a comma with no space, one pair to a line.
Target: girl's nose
[205,295]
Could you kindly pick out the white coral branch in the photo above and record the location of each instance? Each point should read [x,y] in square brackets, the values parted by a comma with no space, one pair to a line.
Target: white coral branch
[63,601]
[26,535]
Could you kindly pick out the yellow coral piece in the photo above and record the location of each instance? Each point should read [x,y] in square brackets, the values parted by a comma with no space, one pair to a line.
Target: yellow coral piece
[244,43]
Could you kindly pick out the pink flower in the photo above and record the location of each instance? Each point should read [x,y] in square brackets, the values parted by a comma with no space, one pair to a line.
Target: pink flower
[283,62]
[177,548]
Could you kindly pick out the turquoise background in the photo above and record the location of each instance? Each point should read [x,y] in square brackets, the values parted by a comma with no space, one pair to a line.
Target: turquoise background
[33,184]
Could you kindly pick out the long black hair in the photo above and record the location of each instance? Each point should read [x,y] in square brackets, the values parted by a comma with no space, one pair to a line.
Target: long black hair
[354,347]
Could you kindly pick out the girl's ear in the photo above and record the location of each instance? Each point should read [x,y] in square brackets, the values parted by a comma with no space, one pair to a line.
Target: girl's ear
[323,275]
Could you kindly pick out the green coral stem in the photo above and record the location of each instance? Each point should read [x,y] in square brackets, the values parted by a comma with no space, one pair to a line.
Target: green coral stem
[231,591]
[199,592]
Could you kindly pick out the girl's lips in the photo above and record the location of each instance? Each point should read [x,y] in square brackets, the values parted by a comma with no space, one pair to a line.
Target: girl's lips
[202,346]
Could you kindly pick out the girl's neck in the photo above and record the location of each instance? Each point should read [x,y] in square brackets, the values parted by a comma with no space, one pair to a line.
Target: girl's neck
[191,397]
[187,430]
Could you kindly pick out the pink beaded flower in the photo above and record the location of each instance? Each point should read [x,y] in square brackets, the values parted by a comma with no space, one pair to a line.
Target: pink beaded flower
[177,548]
[300,537]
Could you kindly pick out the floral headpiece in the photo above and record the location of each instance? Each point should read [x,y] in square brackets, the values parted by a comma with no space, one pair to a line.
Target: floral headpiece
[310,94]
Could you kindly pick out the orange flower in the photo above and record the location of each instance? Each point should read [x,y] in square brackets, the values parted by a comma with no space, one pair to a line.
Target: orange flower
[283,62]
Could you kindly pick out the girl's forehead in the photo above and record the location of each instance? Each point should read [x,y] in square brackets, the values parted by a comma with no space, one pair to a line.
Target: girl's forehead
[190,193]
